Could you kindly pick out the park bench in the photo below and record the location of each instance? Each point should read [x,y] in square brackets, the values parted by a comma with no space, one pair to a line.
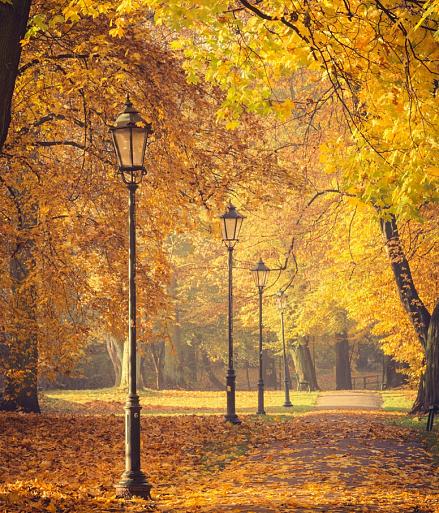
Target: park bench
[303,385]
[432,410]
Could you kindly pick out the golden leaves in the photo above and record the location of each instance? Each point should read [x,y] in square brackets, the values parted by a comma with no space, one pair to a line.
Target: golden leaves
[318,462]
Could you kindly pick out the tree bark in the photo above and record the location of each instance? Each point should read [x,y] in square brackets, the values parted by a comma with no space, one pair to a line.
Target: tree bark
[13,23]
[20,380]
[125,369]
[431,381]
[247,375]
[415,308]
[343,378]
[115,351]
[217,384]
[303,363]
[157,352]
[173,364]
[392,378]
[21,377]
[418,313]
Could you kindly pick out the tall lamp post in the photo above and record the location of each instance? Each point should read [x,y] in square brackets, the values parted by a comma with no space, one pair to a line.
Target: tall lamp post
[130,138]
[231,222]
[260,274]
[281,304]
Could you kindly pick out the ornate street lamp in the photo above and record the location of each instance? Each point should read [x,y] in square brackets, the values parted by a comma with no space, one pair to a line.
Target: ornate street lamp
[231,222]
[130,139]
[260,274]
[282,304]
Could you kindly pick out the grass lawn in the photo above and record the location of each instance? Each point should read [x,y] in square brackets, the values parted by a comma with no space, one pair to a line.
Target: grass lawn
[398,400]
[172,402]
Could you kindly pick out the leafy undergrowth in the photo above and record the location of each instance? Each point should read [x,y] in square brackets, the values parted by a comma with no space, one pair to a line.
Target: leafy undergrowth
[168,402]
[325,462]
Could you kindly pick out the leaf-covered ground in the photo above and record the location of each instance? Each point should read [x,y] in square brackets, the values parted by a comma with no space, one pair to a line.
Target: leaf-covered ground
[322,461]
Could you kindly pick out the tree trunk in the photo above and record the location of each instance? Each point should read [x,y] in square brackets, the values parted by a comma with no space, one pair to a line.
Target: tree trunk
[303,363]
[343,379]
[392,378]
[269,369]
[431,378]
[408,294]
[415,308]
[247,374]
[20,387]
[173,365]
[13,22]
[20,378]
[217,384]
[125,369]
[157,352]
[115,351]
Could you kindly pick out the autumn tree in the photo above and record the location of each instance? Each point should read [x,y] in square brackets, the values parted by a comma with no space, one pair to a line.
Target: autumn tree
[377,61]
[59,154]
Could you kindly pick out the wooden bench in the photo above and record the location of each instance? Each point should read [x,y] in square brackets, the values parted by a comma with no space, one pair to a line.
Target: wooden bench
[303,385]
[432,410]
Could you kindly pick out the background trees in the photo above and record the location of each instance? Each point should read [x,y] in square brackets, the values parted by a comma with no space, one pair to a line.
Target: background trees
[318,119]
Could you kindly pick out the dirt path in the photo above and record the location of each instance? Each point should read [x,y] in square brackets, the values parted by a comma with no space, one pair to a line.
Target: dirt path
[331,462]
[344,399]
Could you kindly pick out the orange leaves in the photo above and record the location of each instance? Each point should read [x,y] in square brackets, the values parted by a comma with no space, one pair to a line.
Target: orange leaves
[319,462]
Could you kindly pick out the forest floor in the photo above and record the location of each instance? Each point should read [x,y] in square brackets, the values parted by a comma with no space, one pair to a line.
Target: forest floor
[323,461]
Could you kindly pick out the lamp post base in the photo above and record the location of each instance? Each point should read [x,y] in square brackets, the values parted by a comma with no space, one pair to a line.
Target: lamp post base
[133,484]
[287,404]
[261,409]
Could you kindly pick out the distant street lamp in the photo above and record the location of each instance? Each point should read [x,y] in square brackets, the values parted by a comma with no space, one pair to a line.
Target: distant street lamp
[231,222]
[130,138]
[260,274]
[281,304]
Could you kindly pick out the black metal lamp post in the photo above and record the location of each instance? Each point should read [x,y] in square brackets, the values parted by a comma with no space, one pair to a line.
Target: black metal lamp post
[130,138]
[281,304]
[260,274]
[231,222]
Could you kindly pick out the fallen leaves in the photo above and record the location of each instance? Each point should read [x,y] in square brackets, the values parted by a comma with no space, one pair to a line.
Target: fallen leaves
[318,462]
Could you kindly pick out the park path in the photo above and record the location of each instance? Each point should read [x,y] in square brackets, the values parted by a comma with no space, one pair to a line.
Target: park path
[349,399]
[328,462]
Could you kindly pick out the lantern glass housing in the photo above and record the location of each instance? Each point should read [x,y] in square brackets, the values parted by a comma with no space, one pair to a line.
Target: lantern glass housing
[130,138]
[281,301]
[260,274]
[231,223]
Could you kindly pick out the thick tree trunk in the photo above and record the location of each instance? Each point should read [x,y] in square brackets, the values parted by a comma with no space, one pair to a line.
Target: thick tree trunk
[392,378]
[408,294]
[20,392]
[415,308]
[13,21]
[125,369]
[20,378]
[269,369]
[20,383]
[115,351]
[173,365]
[303,363]
[216,383]
[431,378]
[20,387]
[343,378]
